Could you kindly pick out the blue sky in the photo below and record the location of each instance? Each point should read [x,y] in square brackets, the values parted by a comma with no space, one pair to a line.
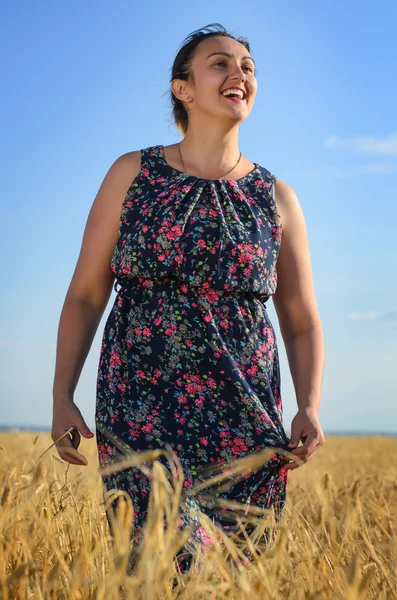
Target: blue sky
[86,82]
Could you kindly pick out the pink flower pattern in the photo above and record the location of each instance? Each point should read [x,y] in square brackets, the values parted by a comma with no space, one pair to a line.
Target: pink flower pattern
[189,355]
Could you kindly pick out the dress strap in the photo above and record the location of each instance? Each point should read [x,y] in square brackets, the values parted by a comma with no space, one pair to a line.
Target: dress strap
[269,177]
[145,153]
[150,157]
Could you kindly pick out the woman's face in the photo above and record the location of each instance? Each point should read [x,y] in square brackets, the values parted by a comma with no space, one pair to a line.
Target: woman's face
[221,63]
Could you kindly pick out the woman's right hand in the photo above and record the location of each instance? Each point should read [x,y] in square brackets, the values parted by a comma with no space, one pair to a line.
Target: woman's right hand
[66,414]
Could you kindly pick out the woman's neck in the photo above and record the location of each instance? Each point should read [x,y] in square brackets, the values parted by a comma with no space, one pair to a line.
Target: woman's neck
[210,152]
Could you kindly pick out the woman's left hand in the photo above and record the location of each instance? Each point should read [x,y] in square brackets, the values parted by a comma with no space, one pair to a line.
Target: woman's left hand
[305,426]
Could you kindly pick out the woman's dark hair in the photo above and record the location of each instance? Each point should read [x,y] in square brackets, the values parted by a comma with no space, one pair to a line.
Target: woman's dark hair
[183,61]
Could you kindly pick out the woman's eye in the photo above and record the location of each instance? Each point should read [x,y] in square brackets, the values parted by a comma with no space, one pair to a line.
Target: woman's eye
[222,62]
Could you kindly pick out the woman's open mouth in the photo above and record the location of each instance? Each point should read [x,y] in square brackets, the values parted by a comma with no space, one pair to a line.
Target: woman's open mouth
[234,98]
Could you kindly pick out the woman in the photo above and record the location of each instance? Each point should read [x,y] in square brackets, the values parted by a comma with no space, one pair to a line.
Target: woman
[198,237]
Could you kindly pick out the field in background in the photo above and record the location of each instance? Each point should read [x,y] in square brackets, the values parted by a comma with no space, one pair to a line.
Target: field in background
[337,538]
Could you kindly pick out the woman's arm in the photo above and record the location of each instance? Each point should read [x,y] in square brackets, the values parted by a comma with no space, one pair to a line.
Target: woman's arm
[85,302]
[295,302]
[77,327]
[91,284]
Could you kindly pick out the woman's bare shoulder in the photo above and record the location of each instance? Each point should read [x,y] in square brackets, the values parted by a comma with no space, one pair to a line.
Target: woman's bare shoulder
[286,200]
[130,162]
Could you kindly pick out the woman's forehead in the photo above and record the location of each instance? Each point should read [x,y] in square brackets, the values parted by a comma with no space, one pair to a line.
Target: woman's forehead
[221,44]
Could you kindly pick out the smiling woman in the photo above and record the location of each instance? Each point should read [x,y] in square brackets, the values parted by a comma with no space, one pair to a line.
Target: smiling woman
[197,239]
[205,47]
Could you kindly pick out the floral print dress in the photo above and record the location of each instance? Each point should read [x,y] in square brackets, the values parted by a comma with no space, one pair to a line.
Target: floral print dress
[189,355]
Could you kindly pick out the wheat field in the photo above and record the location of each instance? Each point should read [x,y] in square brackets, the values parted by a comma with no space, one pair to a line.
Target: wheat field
[337,537]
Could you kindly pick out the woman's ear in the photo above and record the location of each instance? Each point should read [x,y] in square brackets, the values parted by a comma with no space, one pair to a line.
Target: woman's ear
[180,90]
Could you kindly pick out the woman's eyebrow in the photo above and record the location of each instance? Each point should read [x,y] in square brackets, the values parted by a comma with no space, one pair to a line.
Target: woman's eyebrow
[230,55]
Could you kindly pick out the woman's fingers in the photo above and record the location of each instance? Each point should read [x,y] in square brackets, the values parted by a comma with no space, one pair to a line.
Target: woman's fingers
[74,457]
[67,448]
[76,437]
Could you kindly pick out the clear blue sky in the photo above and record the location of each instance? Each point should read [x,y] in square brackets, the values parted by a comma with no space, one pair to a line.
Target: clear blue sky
[86,82]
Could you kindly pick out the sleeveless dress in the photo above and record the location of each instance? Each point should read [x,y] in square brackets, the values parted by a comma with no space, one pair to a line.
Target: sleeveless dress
[189,355]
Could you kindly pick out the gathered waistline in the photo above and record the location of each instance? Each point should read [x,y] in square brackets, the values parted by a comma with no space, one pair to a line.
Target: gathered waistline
[127,283]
